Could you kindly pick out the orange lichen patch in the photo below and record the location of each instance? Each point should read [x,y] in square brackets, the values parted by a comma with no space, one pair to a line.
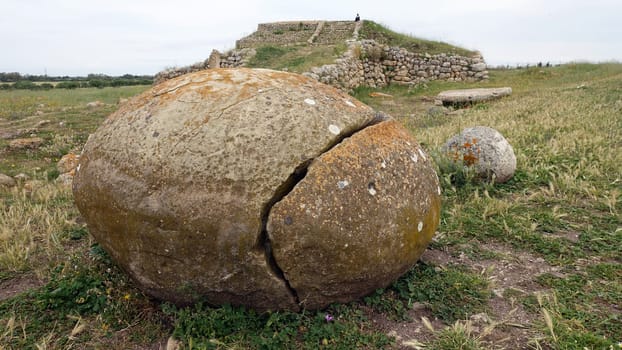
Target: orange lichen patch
[469,157]
[468,152]
[389,135]
[469,144]
[68,163]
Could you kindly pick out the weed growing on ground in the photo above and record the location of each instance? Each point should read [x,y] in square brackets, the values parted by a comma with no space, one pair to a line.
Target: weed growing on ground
[82,291]
[563,332]
[203,327]
[459,336]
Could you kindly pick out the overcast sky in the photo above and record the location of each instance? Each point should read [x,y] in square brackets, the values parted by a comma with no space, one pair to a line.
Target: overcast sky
[78,37]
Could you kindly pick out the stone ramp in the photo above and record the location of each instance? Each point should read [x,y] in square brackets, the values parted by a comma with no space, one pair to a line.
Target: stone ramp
[294,32]
[335,32]
[281,33]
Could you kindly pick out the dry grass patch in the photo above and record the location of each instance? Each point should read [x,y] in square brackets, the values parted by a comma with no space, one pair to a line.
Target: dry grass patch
[34,221]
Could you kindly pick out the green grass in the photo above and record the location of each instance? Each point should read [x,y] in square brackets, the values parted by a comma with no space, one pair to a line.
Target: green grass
[18,110]
[237,327]
[85,294]
[570,333]
[451,293]
[297,58]
[565,124]
[589,298]
[15,104]
[384,35]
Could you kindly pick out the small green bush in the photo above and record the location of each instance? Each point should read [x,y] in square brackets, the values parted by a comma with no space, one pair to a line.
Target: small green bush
[458,337]
[68,85]
[374,53]
[26,85]
[72,289]
[98,83]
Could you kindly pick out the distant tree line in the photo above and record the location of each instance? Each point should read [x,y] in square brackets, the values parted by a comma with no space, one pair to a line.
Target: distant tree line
[15,80]
[525,66]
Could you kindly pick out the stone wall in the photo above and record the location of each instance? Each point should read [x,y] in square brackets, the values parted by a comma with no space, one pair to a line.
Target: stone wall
[372,64]
[230,59]
[346,73]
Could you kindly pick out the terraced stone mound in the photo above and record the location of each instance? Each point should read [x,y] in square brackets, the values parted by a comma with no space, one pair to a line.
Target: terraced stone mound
[257,188]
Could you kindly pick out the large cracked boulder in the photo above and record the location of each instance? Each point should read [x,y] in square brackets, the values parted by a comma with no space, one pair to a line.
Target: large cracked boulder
[257,188]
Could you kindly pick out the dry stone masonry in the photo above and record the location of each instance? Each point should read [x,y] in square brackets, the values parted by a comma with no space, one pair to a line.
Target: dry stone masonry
[371,64]
[366,62]
[257,188]
[230,59]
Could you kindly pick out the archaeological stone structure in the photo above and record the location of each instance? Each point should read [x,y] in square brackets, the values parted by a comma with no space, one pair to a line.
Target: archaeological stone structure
[365,62]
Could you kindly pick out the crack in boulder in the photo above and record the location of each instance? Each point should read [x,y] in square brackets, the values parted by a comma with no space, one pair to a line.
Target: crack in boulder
[286,187]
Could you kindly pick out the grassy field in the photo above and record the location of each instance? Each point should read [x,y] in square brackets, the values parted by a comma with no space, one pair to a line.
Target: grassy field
[296,58]
[534,263]
[386,36]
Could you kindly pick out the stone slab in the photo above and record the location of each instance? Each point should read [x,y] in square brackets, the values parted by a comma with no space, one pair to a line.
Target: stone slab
[473,95]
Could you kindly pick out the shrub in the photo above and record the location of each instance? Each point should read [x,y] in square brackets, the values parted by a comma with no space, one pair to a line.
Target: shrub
[25,84]
[98,83]
[374,53]
[68,85]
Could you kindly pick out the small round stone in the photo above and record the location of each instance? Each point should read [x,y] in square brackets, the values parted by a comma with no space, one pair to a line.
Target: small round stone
[486,150]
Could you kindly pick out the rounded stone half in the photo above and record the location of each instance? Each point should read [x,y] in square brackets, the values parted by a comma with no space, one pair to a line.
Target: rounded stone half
[360,218]
[177,184]
[486,150]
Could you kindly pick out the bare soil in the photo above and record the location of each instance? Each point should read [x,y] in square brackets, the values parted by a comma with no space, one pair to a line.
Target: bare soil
[506,324]
[14,286]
